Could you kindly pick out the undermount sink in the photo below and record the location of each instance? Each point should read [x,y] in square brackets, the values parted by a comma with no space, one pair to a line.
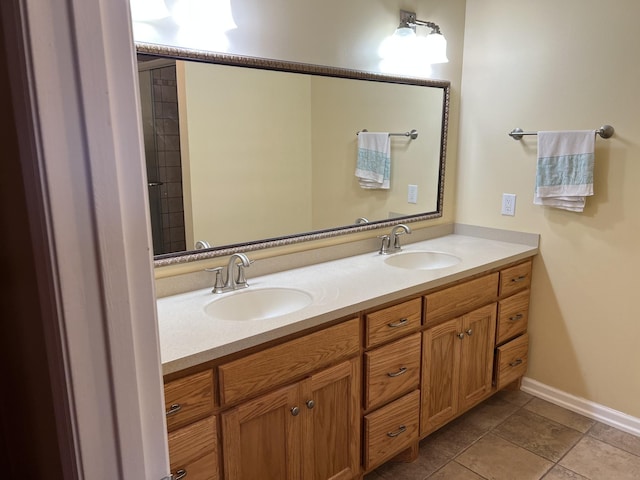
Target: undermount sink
[422,260]
[258,304]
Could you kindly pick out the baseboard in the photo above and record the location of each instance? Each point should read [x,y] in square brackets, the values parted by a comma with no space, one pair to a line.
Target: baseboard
[585,407]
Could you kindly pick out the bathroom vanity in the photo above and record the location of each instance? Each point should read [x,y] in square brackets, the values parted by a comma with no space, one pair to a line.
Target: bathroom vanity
[384,353]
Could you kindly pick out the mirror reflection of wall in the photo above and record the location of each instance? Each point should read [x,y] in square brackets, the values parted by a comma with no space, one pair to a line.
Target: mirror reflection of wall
[160,120]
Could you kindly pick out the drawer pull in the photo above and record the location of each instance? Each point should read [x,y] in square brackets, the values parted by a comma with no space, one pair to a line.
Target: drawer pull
[516,362]
[310,404]
[402,371]
[173,409]
[400,323]
[521,278]
[517,317]
[179,474]
[400,430]
[295,411]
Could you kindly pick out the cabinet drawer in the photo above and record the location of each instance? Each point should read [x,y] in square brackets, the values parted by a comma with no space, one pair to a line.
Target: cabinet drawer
[513,316]
[511,360]
[392,370]
[393,322]
[193,450]
[515,278]
[391,429]
[277,365]
[189,398]
[463,298]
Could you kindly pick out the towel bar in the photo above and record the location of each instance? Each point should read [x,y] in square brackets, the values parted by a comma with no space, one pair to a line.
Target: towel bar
[605,131]
[413,134]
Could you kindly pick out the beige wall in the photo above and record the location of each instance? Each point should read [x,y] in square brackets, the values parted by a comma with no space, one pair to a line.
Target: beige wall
[562,65]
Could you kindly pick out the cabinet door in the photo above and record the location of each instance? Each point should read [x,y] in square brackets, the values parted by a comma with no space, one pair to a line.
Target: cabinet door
[440,374]
[331,428]
[261,437]
[476,365]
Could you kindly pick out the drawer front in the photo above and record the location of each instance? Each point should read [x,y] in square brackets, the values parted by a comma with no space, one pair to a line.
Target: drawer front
[391,429]
[193,451]
[513,316]
[463,298]
[512,360]
[189,398]
[278,365]
[393,322]
[392,370]
[515,278]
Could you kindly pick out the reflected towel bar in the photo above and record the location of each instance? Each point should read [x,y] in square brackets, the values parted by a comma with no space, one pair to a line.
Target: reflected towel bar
[413,134]
[605,131]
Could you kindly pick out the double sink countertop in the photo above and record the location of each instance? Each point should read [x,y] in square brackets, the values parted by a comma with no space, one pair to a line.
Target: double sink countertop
[339,288]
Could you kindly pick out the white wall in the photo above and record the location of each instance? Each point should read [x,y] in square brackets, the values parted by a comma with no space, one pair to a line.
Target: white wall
[551,65]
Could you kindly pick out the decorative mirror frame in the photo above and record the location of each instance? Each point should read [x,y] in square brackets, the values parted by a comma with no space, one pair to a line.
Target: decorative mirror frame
[294,67]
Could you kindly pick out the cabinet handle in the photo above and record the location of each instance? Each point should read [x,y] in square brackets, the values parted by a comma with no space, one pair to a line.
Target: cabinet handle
[461,335]
[398,373]
[310,404]
[521,278]
[174,408]
[517,317]
[515,363]
[400,323]
[400,430]
[295,411]
[469,332]
[179,474]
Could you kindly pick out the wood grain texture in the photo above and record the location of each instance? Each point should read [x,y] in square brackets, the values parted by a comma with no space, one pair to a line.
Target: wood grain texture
[195,449]
[382,362]
[514,279]
[278,365]
[454,301]
[379,445]
[512,360]
[513,316]
[331,428]
[261,438]
[392,322]
[195,395]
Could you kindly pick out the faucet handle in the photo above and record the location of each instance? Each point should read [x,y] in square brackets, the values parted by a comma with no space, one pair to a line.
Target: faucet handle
[218,286]
[241,280]
[384,246]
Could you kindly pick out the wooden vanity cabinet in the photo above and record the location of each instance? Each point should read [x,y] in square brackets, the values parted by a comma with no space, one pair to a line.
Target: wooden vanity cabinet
[457,366]
[192,427]
[308,429]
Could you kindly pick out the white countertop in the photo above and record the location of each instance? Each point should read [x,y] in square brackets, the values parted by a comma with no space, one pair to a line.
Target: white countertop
[188,336]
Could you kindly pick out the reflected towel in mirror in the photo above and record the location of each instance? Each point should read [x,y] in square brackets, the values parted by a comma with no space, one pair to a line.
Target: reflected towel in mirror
[373,169]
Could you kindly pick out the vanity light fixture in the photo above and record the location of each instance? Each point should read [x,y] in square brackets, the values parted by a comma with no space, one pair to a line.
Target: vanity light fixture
[405,43]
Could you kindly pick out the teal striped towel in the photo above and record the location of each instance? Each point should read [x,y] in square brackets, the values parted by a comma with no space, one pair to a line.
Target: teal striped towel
[373,168]
[564,174]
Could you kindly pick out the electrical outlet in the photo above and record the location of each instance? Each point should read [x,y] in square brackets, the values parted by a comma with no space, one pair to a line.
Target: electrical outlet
[412,194]
[509,204]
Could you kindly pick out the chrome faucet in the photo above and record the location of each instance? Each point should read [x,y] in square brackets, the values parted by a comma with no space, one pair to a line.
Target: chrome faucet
[396,231]
[235,278]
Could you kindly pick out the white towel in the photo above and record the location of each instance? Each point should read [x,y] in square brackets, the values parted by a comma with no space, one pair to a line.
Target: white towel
[564,174]
[374,160]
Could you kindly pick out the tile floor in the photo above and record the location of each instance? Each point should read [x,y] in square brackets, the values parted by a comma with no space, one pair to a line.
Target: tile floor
[515,436]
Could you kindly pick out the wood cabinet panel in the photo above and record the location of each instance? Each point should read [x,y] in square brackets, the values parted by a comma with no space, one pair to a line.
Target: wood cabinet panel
[392,370]
[331,427]
[512,360]
[194,451]
[515,278]
[392,322]
[278,365]
[454,301]
[513,316]
[391,429]
[261,437]
[188,399]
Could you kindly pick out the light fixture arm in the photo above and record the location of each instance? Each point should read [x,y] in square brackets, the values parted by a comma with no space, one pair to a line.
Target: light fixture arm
[408,19]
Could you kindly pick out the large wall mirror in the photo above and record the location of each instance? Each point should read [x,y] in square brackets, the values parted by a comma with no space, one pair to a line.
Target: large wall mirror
[247,153]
